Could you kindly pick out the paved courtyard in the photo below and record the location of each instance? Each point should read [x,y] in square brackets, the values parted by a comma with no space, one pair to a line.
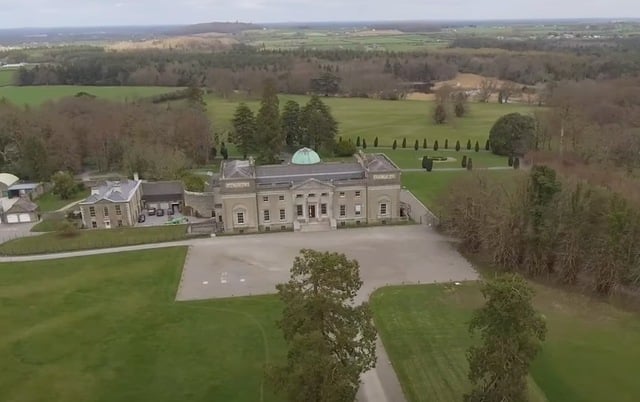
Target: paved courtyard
[254,264]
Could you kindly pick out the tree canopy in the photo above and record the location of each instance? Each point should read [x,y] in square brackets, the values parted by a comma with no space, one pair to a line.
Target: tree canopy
[318,125]
[244,129]
[269,140]
[512,134]
[330,339]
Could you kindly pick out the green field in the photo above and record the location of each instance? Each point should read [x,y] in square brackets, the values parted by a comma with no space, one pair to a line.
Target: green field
[107,328]
[36,95]
[86,239]
[411,159]
[590,353]
[6,77]
[49,202]
[389,120]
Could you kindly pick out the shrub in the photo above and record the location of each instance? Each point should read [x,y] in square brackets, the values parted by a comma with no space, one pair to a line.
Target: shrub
[224,152]
[512,134]
[358,141]
[468,144]
[516,163]
[64,186]
[477,148]
[424,161]
[404,142]
[416,145]
[193,182]
[446,144]
[375,142]
[345,148]
[510,161]
[424,144]
[439,114]
[364,143]
[428,165]
[457,145]
[395,144]
[67,229]
[464,161]
[435,145]
[470,164]
[487,146]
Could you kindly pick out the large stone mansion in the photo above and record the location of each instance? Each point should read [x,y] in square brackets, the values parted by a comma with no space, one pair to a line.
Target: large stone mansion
[307,194]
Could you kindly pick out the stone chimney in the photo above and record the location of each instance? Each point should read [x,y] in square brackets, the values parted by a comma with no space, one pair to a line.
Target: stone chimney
[136,177]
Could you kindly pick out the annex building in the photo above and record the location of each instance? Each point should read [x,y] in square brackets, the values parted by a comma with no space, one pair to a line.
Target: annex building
[307,193]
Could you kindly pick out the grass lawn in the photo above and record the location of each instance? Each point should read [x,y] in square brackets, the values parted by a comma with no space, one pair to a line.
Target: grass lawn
[107,328]
[389,120]
[6,77]
[89,239]
[35,95]
[590,353]
[49,202]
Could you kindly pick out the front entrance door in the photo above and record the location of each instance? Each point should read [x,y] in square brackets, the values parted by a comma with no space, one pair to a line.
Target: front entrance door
[312,211]
[107,224]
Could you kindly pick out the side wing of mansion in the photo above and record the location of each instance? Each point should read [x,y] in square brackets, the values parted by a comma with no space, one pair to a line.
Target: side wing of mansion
[307,194]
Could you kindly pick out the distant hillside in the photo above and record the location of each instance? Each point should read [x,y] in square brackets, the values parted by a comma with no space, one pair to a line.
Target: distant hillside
[219,27]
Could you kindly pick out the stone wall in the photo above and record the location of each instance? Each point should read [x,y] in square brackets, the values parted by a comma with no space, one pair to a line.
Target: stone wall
[199,204]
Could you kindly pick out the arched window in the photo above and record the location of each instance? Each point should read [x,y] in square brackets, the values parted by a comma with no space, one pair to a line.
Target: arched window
[384,206]
[240,215]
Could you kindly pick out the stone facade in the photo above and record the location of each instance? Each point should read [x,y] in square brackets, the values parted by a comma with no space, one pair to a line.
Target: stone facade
[111,205]
[309,196]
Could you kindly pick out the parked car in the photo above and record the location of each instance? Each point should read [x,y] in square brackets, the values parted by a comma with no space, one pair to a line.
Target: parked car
[151,211]
[160,212]
[141,218]
[170,212]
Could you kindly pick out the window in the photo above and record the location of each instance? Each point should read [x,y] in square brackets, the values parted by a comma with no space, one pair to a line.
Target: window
[118,210]
[358,209]
[92,211]
[323,209]
[383,209]
[312,195]
[281,197]
[298,195]
[341,194]
[357,194]
[266,215]
[94,224]
[343,210]
[265,199]
[283,214]
[299,210]
[106,211]
[240,218]
[267,229]
[283,228]
[325,194]
[119,223]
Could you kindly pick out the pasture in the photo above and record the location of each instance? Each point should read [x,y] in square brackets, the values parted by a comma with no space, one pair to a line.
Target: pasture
[6,77]
[107,328]
[36,95]
[589,355]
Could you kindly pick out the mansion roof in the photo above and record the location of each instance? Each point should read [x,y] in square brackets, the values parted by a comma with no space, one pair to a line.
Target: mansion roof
[113,191]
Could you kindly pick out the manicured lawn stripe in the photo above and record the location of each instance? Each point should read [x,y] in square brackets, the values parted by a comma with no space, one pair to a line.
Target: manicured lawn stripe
[49,202]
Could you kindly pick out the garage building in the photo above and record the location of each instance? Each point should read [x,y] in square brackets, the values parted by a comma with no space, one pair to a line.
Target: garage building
[18,210]
[163,195]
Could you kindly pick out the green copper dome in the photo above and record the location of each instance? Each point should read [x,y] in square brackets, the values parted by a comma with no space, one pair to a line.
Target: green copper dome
[305,156]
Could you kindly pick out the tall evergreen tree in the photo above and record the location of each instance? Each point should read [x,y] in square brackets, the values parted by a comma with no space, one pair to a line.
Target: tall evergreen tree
[404,142]
[318,125]
[458,145]
[375,142]
[291,129]
[416,145]
[435,145]
[511,334]
[469,144]
[364,143]
[487,146]
[424,144]
[477,148]
[446,143]
[395,144]
[244,129]
[330,338]
[358,141]
[269,140]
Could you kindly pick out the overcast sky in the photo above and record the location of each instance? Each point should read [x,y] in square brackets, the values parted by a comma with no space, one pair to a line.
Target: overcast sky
[52,13]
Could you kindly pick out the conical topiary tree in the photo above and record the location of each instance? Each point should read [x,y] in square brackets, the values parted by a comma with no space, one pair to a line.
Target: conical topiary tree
[457,145]
[404,142]
[516,163]
[510,161]
[358,141]
[435,145]
[364,143]
[429,164]
[416,145]
[395,144]
[340,139]
[487,146]
[424,144]
[470,164]
[375,142]
[477,148]
[469,144]
[446,144]
[464,161]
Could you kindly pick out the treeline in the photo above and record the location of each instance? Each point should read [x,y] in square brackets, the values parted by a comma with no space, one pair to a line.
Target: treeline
[560,229]
[79,133]
[360,73]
